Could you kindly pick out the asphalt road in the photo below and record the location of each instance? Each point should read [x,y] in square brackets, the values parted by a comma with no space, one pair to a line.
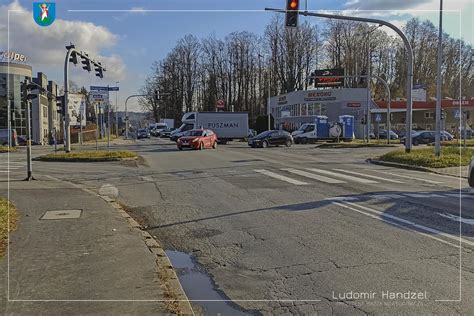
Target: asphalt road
[299,230]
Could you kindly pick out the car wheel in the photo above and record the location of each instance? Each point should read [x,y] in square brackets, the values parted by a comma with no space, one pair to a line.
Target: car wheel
[297,141]
[265,144]
[304,140]
[471,180]
[415,143]
[214,146]
[288,143]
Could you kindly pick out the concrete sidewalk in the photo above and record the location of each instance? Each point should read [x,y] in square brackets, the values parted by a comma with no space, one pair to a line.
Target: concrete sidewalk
[94,264]
[460,172]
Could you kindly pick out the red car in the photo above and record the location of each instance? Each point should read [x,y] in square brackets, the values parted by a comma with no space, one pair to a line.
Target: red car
[198,139]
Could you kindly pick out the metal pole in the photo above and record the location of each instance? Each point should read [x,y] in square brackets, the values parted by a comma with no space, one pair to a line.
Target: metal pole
[80,126]
[29,176]
[126,118]
[116,114]
[438,83]
[409,86]
[369,96]
[67,119]
[108,118]
[96,127]
[269,92]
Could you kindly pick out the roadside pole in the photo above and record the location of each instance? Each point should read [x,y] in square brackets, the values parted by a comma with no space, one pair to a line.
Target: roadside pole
[438,83]
[269,92]
[409,79]
[96,127]
[369,95]
[108,118]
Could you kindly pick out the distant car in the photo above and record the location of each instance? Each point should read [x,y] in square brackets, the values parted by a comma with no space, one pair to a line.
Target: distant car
[423,137]
[143,133]
[22,141]
[154,132]
[383,134]
[166,133]
[471,173]
[271,138]
[198,139]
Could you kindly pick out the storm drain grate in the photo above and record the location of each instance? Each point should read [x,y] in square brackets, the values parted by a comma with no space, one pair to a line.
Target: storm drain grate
[62,214]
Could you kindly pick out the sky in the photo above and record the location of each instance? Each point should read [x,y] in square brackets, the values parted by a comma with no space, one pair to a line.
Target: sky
[127,38]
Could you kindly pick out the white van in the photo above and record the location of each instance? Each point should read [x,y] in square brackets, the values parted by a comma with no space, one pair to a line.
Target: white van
[305,134]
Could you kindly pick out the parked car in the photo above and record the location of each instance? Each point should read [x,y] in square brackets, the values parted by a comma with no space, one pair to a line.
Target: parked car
[198,139]
[423,137]
[143,133]
[271,138]
[447,135]
[383,134]
[166,133]
[471,173]
[4,137]
[21,140]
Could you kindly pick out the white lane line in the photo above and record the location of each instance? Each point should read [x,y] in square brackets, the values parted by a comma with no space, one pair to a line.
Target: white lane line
[280,177]
[394,223]
[312,176]
[468,221]
[422,227]
[369,176]
[409,177]
[343,176]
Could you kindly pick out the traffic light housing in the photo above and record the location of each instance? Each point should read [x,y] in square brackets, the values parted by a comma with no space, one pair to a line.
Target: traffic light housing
[86,64]
[26,91]
[292,7]
[99,71]
[60,106]
[443,114]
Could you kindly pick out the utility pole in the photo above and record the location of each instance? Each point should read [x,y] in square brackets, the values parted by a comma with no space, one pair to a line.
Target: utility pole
[71,57]
[409,80]
[438,83]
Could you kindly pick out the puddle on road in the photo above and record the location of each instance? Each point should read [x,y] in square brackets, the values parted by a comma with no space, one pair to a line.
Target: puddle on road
[198,285]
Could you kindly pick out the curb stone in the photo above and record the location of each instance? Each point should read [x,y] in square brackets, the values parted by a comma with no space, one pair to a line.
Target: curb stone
[410,167]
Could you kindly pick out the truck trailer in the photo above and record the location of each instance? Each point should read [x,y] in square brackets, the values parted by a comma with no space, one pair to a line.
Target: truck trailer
[227,125]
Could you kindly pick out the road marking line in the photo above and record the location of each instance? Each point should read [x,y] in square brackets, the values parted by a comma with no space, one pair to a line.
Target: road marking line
[280,177]
[395,224]
[369,176]
[422,227]
[338,175]
[312,175]
[468,221]
[410,177]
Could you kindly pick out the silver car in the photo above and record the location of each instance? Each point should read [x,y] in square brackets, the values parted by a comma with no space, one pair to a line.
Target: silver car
[471,173]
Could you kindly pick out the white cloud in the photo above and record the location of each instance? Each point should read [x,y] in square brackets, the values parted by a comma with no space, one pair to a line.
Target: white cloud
[45,46]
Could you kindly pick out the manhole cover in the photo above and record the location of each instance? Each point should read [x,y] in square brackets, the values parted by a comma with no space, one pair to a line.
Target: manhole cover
[62,214]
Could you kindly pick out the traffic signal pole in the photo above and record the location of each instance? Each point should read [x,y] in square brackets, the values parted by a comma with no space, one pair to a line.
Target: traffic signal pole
[29,164]
[409,79]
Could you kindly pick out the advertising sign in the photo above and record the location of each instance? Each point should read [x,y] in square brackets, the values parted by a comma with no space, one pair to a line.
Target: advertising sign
[328,79]
[77,108]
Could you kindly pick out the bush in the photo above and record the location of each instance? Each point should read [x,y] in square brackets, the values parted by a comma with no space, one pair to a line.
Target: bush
[425,157]
[89,156]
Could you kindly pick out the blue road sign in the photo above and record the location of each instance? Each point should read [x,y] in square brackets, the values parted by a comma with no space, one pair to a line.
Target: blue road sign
[98,88]
[113,88]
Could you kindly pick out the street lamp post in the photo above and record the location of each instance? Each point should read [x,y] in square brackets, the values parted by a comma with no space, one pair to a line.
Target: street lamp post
[409,85]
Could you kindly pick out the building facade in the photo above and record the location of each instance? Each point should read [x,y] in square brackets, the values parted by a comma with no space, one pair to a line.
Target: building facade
[11,77]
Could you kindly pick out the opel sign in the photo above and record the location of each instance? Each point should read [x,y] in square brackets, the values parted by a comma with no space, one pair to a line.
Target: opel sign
[12,56]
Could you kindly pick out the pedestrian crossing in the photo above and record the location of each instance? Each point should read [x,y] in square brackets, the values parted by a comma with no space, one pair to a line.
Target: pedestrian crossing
[302,176]
[9,166]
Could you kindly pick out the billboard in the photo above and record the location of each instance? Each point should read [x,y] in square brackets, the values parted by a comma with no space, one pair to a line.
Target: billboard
[325,78]
[76,108]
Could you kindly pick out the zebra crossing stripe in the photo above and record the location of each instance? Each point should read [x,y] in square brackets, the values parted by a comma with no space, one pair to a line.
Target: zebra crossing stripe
[312,176]
[280,177]
[338,175]
[369,176]
[410,177]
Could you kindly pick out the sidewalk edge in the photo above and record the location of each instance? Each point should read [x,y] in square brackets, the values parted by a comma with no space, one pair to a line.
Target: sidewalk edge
[411,167]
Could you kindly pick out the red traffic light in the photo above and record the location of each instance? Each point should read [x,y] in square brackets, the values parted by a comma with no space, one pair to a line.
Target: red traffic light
[293,5]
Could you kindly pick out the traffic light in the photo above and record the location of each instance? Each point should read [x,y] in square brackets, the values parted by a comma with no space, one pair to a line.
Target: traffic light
[156,94]
[443,114]
[60,105]
[363,121]
[292,7]
[73,56]
[86,63]
[99,71]
[26,91]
